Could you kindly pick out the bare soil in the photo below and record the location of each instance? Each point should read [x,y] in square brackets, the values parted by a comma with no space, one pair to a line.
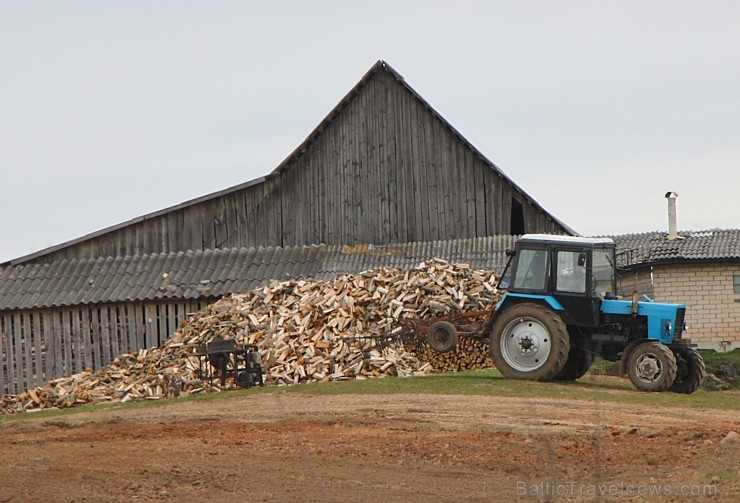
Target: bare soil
[378,448]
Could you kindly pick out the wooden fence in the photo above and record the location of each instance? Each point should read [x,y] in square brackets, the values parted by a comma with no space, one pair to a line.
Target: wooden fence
[42,344]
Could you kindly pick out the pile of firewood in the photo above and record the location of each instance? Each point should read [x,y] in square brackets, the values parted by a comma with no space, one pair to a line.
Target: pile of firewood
[471,353]
[305,330]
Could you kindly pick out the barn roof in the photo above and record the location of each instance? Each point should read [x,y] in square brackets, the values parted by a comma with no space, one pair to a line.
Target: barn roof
[380,66]
[214,273]
[650,248]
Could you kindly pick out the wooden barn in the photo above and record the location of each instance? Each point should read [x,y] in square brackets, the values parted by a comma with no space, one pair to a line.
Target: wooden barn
[383,175]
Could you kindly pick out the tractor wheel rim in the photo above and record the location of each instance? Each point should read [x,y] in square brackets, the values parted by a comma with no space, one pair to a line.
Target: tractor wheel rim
[648,367]
[525,344]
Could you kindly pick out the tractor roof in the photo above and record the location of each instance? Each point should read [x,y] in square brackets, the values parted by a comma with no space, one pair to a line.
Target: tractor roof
[571,240]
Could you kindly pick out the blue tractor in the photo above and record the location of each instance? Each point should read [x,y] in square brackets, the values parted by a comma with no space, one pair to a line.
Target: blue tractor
[561,310]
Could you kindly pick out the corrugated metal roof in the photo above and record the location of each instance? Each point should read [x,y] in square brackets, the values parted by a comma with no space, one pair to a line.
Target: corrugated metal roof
[692,246]
[213,273]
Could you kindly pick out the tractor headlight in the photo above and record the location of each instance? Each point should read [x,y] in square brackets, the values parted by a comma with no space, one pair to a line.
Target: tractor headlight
[668,326]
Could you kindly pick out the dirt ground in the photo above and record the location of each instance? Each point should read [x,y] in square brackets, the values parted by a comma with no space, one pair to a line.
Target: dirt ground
[378,448]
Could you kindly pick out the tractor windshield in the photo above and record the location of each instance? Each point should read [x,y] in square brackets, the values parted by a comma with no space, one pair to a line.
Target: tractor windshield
[604,278]
[531,269]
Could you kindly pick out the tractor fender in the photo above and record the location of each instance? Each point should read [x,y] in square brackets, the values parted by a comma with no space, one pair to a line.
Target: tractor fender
[626,355]
[511,299]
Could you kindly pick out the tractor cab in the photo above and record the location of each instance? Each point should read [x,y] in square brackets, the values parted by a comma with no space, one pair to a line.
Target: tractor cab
[573,273]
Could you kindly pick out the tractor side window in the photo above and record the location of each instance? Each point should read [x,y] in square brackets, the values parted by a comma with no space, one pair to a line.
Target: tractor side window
[603,273]
[531,270]
[571,272]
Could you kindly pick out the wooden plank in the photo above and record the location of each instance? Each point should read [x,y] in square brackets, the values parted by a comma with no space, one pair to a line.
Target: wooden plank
[429,203]
[171,320]
[398,169]
[65,320]
[391,170]
[48,342]
[249,238]
[79,352]
[239,232]
[192,238]
[3,359]
[378,174]
[128,326]
[506,208]
[119,329]
[91,349]
[439,187]
[96,343]
[10,353]
[208,227]
[117,332]
[414,199]
[150,321]
[287,233]
[105,339]
[454,198]
[496,213]
[232,222]
[220,218]
[57,369]
[329,201]
[116,344]
[139,325]
[344,179]
[480,197]
[39,354]
[28,350]
[362,159]
[173,231]
[467,192]
[320,210]
[20,381]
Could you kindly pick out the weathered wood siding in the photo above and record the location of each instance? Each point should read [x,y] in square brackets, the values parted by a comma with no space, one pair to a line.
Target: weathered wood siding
[39,345]
[384,169]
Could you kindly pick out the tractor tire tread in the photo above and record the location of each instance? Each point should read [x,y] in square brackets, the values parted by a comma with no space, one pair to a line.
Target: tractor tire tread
[697,371]
[555,326]
[671,368]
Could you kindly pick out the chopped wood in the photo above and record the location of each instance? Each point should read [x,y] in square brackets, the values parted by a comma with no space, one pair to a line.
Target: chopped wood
[306,331]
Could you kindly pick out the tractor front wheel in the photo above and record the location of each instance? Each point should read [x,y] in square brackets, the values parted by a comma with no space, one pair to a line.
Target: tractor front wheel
[652,366]
[529,341]
[690,372]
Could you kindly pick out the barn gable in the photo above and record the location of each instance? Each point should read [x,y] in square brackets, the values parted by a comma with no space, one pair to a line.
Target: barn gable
[383,167]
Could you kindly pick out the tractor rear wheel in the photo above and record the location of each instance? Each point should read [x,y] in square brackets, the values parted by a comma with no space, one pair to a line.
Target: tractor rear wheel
[579,361]
[529,341]
[690,371]
[652,366]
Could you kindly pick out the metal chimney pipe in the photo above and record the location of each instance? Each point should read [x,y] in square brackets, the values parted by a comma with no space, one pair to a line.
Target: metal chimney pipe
[672,227]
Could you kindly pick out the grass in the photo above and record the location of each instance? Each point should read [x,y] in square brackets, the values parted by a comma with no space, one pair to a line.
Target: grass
[712,358]
[593,388]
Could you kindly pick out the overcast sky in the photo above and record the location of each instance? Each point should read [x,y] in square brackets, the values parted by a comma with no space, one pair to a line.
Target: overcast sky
[111,110]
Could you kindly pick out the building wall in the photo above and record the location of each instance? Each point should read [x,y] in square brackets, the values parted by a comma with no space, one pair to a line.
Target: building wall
[384,169]
[712,309]
[639,281]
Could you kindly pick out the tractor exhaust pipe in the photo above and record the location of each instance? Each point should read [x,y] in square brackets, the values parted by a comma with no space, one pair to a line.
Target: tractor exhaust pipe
[672,227]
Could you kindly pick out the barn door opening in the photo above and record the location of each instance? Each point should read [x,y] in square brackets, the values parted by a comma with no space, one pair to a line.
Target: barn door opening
[517,218]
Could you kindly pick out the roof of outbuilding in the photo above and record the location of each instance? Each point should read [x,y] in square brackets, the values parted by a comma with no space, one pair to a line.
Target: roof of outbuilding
[642,250]
[214,273]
